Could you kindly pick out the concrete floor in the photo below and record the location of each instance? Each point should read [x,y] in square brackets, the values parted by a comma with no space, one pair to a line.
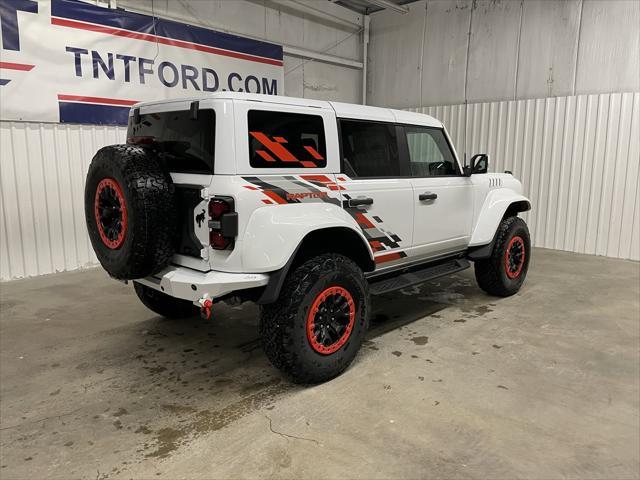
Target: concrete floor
[451,384]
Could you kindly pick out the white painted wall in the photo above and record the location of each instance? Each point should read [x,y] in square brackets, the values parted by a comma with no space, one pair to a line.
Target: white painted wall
[448,52]
[42,172]
[312,25]
[578,158]
[540,86]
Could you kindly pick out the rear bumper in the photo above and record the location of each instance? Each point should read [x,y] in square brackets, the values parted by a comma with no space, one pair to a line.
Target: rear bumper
[188,284]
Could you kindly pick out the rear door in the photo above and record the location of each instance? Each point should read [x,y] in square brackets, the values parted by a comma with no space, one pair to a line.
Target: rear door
[373,189]
[442,197]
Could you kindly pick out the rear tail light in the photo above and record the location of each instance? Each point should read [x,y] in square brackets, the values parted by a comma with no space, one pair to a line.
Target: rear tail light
[218,207]
[218,241]
[223,223]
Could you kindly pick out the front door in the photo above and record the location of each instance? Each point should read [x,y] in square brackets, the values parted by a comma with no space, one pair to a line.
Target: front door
[373,190]
[442,196]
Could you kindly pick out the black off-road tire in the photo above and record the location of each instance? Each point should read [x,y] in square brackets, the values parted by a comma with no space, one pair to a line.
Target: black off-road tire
[492,274]
[145,244]
[163,304]
[283,325]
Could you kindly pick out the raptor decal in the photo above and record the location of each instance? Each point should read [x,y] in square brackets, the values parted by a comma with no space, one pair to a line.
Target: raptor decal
[287,189]
[284,189]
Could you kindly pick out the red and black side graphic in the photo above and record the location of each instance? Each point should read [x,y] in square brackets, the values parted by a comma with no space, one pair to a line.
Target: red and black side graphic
[275,151]
[289,189]
[379,239]
[274,193]
[322,181]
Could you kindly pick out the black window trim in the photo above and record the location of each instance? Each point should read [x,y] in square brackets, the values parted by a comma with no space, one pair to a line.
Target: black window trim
[403,150]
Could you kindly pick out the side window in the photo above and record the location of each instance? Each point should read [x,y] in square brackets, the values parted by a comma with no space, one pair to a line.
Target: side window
[429,152]
[286,140]
[369,149]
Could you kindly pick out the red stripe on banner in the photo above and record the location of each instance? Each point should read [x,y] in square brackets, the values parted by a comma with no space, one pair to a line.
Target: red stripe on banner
[16,66]
[165,41]
[388,257]
[106,101]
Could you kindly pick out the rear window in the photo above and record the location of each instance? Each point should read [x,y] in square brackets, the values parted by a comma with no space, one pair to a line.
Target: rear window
[184,144]
[286,140]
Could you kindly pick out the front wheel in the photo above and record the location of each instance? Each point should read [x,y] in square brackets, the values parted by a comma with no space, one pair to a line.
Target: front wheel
[314,330]
[503,273]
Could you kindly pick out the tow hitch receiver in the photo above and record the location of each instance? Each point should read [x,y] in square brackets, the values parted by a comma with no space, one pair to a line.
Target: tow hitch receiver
[205,304]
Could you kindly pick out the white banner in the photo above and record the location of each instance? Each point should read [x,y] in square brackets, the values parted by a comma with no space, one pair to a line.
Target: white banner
[72,61]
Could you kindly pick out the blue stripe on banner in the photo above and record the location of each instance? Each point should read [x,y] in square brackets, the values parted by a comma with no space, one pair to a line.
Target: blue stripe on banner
[81,11]
[3,82]
[93,114]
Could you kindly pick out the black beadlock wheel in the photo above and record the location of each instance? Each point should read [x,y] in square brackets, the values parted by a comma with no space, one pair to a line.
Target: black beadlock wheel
[504,272]
[314,330]
[163,304]
[130,211]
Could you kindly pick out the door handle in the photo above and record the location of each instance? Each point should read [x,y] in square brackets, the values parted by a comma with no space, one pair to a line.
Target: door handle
[356,202]
[427,196]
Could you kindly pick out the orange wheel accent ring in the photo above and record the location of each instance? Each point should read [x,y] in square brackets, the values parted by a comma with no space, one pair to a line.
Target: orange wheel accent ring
[514,257]
[330,320]
[110,211]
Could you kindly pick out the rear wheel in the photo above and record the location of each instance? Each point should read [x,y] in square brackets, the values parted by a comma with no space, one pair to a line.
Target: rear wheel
[503,273]
[314,330]
[163,304]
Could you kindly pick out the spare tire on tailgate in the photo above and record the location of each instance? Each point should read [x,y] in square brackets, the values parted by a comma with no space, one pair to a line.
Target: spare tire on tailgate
[130,211]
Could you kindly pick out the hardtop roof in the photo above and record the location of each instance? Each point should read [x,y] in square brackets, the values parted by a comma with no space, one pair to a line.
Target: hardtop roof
[342,110]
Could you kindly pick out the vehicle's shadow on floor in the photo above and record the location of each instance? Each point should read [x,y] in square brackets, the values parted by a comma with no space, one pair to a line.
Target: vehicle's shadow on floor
[156,384]
[232,332]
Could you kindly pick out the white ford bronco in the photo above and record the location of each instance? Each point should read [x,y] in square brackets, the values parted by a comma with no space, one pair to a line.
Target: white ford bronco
[305,207]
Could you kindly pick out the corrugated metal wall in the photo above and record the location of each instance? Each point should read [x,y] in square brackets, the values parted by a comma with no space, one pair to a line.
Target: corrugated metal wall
[42,172]
[457,51]
[578,158]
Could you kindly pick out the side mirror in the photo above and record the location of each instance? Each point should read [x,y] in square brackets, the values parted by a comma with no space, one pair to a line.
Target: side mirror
[479,164]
